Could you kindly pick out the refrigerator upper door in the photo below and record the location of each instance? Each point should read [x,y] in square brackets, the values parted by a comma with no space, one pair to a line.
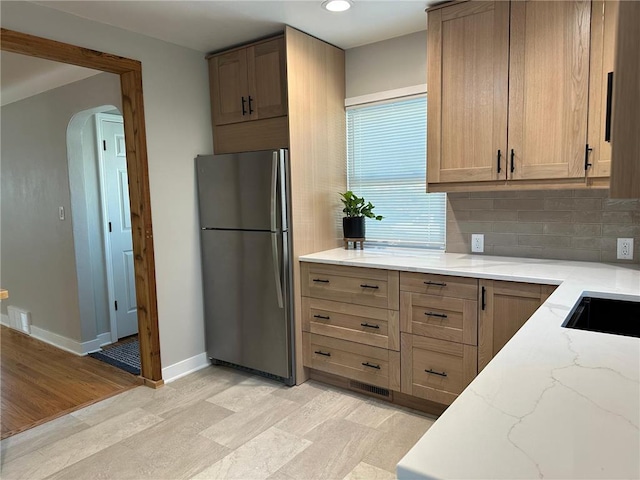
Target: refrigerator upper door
[242,191]
[246,297]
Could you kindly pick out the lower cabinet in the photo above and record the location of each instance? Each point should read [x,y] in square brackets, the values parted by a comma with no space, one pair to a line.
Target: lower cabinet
[436,370]
[417,336]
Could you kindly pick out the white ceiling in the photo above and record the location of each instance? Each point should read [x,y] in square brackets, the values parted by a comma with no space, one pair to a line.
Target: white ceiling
[23,76]
[207,26]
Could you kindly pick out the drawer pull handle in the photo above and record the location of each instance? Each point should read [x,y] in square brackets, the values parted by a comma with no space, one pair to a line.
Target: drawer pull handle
[440,374]
[320,280]
[324,317]
[371,365]
[325,354]
[369,325]
[375,287]
[437,284]
[432,314]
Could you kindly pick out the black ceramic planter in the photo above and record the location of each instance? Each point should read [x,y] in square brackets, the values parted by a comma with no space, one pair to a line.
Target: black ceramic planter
[353,227]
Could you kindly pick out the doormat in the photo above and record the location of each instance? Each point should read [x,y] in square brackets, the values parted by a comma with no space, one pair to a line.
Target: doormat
[125,356]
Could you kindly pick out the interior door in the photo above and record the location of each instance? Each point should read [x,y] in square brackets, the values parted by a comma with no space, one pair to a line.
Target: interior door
[548,89]
[246,299]
[116,183]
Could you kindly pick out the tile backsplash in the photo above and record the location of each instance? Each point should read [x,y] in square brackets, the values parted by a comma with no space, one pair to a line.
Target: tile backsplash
[556,224]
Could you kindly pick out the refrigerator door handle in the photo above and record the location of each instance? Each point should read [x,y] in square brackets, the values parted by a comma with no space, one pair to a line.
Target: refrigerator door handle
[276,268]
[282,164]
[274,188]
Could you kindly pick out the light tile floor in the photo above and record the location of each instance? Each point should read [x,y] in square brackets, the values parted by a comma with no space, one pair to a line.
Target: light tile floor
[219,423]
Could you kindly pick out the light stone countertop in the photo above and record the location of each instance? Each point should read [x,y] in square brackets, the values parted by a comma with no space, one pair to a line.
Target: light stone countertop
[554,402]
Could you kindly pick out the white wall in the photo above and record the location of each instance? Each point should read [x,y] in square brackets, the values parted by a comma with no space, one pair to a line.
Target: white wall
[178,125]
[395,63]
[38,259]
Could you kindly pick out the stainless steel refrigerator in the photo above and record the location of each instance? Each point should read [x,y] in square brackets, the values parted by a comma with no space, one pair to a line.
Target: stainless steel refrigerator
[244,218]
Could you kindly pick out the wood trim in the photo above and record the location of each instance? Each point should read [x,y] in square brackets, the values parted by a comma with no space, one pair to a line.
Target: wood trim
[130,72]
[406,362]
[434,89]
[547,184]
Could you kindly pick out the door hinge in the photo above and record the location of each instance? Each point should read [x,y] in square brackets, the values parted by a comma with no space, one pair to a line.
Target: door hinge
[116,304]
[110,227]
[104,145]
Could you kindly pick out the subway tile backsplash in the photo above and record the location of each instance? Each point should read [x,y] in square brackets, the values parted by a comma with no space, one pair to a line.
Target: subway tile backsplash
[556,224]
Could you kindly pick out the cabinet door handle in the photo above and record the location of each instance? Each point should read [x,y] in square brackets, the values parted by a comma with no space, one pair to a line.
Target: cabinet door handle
[607,124]
[325,354]
[244,110]
[587,151]
[432,314]
[320,280]
[484,298]
[371,365]
[364,285]
[513,165]
[369,325]
[322,317]
[499,157]
[437,284]
[250,107]
[440,374]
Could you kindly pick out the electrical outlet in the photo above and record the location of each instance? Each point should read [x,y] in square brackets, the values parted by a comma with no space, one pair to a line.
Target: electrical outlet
[625,249]
[477,242]
[61,213]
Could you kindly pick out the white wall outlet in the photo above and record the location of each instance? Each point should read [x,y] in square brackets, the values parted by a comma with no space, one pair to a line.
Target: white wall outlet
[477,242]
[625,249]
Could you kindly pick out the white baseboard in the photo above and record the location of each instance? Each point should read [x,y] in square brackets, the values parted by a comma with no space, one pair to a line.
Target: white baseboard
[68,344]
[185,367]
[4,320]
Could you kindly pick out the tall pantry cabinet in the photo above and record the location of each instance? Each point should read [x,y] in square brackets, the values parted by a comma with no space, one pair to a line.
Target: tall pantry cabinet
[288,91]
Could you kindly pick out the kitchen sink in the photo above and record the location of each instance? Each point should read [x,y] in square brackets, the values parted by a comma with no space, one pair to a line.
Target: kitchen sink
[619,317]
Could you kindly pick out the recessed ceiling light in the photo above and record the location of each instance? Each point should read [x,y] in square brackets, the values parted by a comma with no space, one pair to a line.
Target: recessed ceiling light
[336,5]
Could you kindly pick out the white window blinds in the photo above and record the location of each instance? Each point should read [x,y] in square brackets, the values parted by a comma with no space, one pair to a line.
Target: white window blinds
[386,152]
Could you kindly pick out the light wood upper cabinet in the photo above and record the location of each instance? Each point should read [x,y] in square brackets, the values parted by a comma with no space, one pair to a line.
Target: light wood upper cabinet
[249,83]
[548,89]
[604,15]
[467,82]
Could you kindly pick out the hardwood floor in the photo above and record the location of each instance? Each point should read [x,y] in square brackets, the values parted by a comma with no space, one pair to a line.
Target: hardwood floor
[217,424]
[41,382]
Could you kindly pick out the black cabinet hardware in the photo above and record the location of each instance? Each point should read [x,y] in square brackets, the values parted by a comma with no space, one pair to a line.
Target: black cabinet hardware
[325,354]
[320,280]
[250,107]
[437,284]
[322,317]
[499,157]
[440,374]
[369,325]
[432,314]
[513,167]
[371,365]
[244,110]
[607,124]
[587,151]
[364,285]
[484,298]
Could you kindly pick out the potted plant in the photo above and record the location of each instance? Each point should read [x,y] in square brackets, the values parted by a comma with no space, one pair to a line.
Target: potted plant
[356,209]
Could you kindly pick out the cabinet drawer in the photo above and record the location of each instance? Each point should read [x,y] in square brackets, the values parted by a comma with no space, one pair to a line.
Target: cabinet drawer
[441,285]
[372,365]
[361,286]
[372,326]
[436,370]
[445,318]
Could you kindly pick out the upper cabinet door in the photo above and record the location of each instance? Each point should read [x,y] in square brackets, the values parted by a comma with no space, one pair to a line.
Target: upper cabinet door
[548,88]
[467,83]
[604,16]
[267,79]
[229,88]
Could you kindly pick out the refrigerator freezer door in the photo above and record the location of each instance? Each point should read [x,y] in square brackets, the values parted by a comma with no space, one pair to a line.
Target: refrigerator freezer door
[240,191]
[244,321]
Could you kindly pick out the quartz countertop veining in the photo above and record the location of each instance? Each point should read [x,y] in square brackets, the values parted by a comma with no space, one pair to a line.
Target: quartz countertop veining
[554,402]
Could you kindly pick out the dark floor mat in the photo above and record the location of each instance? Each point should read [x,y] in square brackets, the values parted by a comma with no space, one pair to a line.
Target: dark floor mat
[125,357]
